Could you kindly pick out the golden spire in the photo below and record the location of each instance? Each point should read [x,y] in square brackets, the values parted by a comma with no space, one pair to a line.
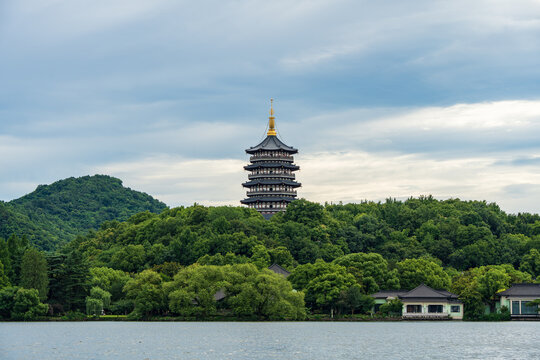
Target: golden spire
[271,122]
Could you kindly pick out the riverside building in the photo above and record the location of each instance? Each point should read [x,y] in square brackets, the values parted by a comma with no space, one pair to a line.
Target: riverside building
[271,186]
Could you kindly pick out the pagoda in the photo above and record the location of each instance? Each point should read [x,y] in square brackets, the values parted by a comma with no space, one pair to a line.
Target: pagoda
[271,186]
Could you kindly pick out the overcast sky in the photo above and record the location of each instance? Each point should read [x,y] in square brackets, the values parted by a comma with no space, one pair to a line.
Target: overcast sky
[382,98]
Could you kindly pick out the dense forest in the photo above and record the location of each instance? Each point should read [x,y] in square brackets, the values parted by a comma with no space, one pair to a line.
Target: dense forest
[202,262]
[55,214]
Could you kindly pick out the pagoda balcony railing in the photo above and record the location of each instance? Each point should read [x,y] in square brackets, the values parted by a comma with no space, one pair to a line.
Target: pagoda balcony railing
[272,192]
[266,157]
[272,176]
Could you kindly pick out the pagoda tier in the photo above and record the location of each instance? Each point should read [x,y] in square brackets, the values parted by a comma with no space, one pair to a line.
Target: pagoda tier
[271,187]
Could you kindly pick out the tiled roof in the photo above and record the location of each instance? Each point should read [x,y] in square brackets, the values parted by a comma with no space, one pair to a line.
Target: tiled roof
[424,291]
[384,294]
[420,292]
[522,290]
[279,270]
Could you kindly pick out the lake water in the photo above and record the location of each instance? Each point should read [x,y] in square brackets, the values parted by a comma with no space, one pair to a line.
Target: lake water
[270,340]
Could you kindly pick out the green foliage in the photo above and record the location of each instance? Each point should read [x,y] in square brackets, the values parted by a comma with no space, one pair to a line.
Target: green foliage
[21,304]
[4,281]
[413,272]
[326,288]
[98,300]
[192,291]
[337,253]
[94,306]
[371,270]
[480,285]
[452,232]
[353,299]
[147,294]
[7,298]
[16,246]
[110,280]
[5,258]
[70,207]
[74,316]
[26,305]
[281,256]
[34,272]
[304,212]
[242,288]
[129,258]
[167,269]
[100,294]
[531,262]
[227,259]
[262,293]
[260,257]
[68,281]
[393,307]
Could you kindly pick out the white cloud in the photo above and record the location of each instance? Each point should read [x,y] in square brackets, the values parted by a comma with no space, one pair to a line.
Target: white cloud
[179,181]
[461,130]
[355,176]
[348,176]
[472,151]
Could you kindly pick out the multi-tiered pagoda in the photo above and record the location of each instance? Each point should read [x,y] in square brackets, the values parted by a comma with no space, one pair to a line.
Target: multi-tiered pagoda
[271,186]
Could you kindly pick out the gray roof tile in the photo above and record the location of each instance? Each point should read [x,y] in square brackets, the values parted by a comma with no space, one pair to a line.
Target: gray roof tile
[272,143]
[522,290]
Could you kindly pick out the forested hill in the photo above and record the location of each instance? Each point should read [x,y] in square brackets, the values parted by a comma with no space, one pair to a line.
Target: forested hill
[175,262]
[460,234]
[56,213]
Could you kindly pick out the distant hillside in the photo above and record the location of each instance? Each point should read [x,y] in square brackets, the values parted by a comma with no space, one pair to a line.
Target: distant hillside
[56,213]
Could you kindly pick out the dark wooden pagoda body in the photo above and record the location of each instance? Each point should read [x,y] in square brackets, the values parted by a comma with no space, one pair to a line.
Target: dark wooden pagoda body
[271,186]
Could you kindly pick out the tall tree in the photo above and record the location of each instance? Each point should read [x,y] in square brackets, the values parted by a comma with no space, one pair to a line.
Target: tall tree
[69,281]
[34,272]
[4,281]
[147,293]
[5,257]
[16,247]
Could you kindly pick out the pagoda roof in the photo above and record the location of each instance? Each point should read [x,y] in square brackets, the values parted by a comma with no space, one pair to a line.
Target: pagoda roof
[267,198]
[271,182]
[272,165]
[272,143]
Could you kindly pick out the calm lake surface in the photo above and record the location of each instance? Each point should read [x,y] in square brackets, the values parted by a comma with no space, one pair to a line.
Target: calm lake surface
[270,340]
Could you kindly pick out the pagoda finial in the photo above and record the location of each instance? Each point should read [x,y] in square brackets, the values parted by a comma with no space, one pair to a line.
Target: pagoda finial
[271,122]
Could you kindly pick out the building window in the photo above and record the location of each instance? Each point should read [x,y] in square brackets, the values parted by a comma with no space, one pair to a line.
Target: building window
[435,308]
[527,309]
[455,308]
[515,307]
[414,308]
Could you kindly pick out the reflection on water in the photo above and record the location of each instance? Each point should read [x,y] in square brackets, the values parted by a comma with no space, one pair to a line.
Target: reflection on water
[270,340]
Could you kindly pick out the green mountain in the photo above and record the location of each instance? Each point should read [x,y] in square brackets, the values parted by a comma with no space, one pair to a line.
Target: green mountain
[57,213]
[460,234]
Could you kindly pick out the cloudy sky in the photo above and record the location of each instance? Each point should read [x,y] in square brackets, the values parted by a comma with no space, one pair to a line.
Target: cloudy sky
[383,98]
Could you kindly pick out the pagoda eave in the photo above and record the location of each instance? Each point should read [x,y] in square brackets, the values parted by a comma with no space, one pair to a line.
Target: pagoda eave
[272,166]
[271,182]
[252,200]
